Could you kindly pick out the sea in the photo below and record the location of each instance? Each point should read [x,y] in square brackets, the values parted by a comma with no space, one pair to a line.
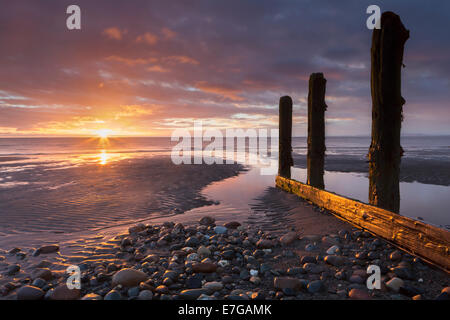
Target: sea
[35,184]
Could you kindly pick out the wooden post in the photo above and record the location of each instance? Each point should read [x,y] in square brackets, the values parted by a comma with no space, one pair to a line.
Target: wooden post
[285,160]
[316,130]
[387,103]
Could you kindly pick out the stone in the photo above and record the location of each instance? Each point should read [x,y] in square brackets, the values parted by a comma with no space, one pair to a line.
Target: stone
[191,294]
[255,280]
[38,282]
[61,292]
[310,247]
[281,283]
[308,259]
[129,277]
[253,272]
[113,295]
[333,250]
[43,273]
[312,268]
[232,225]
[162,289]
[395,284]
[395,255]
[446,290]
[194,282]
[145,295]
[207,221]
[336,261]
[220,230]
[289,237]
[403,273]
[356,279]
[30,293]
[204,267]
[223,263]
[213,286]
[133,292]
[203,251]
[13,269]
[443,296]
[417,297]
[264,244]
[92,296]
[136,229]
[192,242]
[315,286]
[359,294]
[48,249]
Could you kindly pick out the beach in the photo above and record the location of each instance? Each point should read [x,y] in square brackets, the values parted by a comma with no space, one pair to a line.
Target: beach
[126,206]
[196,248]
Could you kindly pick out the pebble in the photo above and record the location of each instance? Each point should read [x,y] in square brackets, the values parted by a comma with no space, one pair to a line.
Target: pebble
[63,293]
[315,286]
[395,255]
[113,295]
[333,250]
[207,221]
[30,293]
[48,249]
[220,230]
[204,267]
[92,296]
[145,295]
[394,284]
[359,294]
[191,294]
[213,286]
[289,237]
[13,269]
[129,277]
[232,225]
[203,251]
[281,283]
[335,260]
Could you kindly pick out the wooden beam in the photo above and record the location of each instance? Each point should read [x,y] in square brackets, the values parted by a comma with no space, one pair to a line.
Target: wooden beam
[285,161]
[428,242]
[316,130]
[387,106]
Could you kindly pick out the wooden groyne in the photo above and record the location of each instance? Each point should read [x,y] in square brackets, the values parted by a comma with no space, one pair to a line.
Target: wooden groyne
[380,217]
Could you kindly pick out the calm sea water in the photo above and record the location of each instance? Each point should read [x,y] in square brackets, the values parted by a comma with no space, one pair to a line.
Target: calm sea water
[25,161]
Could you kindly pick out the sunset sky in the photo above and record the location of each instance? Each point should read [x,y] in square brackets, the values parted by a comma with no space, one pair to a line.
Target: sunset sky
[147,67]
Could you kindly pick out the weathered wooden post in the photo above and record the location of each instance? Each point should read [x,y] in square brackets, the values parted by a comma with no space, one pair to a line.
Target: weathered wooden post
[316,130]
[285,160]
[387,103]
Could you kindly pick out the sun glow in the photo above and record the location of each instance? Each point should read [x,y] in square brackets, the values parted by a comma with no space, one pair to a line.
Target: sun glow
[104,133]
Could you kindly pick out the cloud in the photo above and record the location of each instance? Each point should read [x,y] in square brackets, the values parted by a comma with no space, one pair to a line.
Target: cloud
[227,62]
[147,38]
[114,33]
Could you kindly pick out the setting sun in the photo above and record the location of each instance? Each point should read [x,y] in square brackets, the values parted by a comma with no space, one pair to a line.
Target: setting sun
[104,133]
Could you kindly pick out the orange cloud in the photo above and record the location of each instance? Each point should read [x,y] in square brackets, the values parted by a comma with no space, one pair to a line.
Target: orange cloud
[168,34]
[114,33]
[229,93]
[148,38]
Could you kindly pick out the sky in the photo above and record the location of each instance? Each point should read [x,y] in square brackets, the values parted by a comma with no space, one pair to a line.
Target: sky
[145,68]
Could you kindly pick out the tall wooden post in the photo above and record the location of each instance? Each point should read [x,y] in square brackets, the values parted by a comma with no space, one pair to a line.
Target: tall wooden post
[316,130]
[387,103]
[285,160]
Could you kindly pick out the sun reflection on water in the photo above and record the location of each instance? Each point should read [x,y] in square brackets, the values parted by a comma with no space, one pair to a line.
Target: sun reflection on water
[103,157]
